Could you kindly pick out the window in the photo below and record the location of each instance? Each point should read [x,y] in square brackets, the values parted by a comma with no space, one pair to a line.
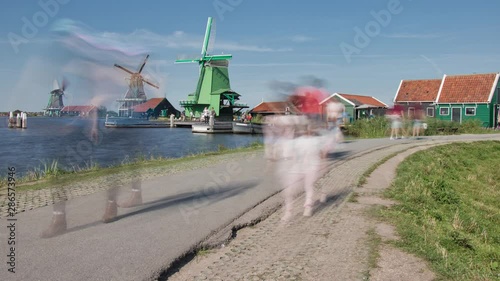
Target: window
[470,111]
[430,111]
[444,111]
[411,111]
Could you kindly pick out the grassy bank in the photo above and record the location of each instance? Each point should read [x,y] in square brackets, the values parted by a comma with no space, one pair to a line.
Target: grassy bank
[449,211]
[50,174]
[380,127]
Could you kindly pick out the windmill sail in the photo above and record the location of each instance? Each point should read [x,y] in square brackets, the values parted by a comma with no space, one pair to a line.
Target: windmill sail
[135,94]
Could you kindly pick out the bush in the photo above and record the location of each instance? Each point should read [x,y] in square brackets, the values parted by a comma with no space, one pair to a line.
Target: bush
[376,127]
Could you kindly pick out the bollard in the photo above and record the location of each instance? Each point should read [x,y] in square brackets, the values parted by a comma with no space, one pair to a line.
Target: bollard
[171,120]
[24,121]
[11,120]
[18,120]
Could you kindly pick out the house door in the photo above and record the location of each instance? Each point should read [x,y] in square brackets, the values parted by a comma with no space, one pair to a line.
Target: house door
[456,114]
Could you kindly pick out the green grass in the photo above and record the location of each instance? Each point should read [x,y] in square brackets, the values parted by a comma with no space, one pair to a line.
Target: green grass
[449,209]
[373,243]
[379,127]
[50,173]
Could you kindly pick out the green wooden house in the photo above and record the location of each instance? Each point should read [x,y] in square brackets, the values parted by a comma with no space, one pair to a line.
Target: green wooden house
[357,106]
[467,97]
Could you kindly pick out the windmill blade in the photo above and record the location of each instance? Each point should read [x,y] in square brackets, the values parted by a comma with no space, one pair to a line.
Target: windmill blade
[64,84]
[55,85]
[211,42]
[143,64]
[150,83]
[207,38]
[188,61]
[123,68]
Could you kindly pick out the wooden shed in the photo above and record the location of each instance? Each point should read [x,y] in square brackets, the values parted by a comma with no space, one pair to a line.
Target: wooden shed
[467,97]
[357,106]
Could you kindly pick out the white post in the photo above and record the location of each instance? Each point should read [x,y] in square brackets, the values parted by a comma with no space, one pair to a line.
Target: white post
[18,120]
[25,120]
[11,120]
[171,120]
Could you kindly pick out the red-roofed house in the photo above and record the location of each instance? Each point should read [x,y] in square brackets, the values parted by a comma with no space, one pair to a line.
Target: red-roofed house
[422,94]
[78,110]
[465,97]
[155,107]
[357,106]
[276,107]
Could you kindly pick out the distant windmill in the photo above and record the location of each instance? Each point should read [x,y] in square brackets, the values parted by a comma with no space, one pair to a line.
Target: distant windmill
[55,104]
[135,94]
[213,88]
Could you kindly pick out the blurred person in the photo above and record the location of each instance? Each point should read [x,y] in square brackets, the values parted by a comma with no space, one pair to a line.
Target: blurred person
[395,117]
[86,63]
[299,160]
[334,116]
[417,122]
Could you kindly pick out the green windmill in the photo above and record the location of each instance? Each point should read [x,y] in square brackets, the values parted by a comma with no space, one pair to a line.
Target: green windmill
[213,89]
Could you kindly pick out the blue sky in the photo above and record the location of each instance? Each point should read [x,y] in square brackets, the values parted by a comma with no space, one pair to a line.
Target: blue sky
[360,47]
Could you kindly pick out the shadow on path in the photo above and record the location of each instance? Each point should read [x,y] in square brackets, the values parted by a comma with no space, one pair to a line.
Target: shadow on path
[205,196]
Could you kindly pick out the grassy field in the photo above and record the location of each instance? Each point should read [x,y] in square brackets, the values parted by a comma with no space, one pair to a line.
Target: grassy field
[449,209]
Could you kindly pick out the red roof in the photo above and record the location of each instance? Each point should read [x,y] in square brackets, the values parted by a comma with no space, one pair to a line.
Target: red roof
[363,100]
[418,90]
[151,103]
[78,108]
[473,88]
[276,107]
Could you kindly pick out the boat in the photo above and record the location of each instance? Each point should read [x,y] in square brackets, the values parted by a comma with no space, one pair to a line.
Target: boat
[217,128]
[247,128]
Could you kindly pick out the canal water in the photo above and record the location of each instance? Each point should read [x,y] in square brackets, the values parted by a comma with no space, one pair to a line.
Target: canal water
[68,141]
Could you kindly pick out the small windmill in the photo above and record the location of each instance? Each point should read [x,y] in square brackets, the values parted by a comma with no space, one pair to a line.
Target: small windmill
[55,104]
[135,94]
[213,89]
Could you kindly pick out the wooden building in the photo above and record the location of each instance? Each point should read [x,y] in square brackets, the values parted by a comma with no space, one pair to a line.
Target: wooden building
[421,94]
[155,107]
[454,97]
[466,97]
[357,106]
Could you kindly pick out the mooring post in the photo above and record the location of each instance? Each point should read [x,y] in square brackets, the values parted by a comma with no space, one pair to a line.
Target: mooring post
[11,119]
[171,120]
[18,120]
[24,120]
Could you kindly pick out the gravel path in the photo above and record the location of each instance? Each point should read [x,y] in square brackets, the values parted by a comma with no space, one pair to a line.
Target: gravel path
[336,243]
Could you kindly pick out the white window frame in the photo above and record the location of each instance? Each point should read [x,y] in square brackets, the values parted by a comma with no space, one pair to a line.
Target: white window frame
[427,111]
[447,111]
[470,107]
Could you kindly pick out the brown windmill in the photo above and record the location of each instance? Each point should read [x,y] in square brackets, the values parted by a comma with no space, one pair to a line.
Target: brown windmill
[135,94]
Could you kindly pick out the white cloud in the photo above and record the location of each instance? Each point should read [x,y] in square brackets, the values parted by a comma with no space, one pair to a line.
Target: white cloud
[412,35]
[301,38]
[143,40]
